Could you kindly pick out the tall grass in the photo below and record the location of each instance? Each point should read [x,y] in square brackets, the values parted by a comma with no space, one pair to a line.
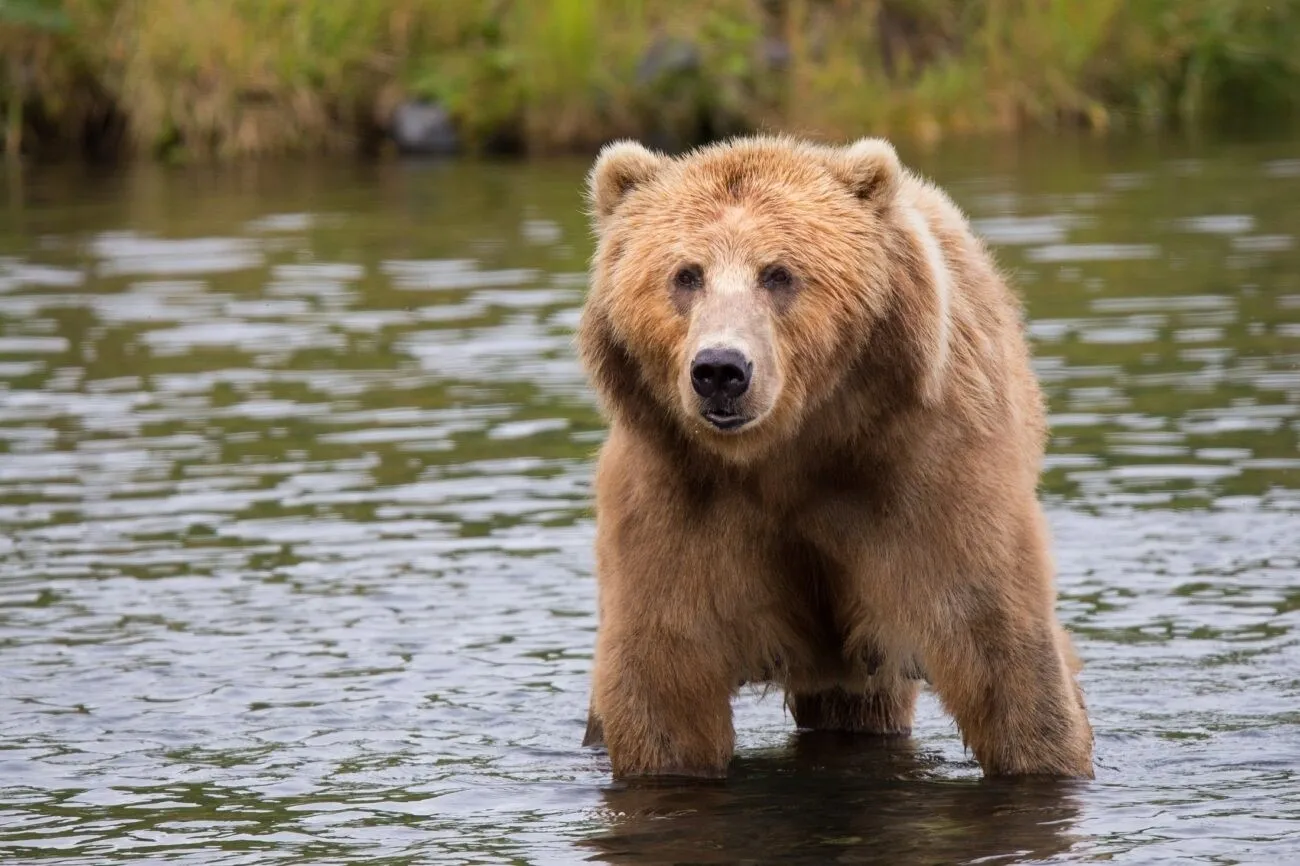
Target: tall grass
[27,28]
[226,78]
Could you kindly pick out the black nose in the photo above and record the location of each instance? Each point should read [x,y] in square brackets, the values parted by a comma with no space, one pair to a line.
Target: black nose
[720,372]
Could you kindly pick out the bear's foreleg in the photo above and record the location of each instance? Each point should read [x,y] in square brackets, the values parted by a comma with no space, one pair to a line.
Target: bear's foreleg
[1007,678]
[661,702]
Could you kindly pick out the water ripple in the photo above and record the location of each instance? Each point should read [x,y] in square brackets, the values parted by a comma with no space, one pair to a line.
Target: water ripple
[298,545]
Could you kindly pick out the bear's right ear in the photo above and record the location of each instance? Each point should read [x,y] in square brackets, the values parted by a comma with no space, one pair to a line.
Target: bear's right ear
[621,166]
[869,168]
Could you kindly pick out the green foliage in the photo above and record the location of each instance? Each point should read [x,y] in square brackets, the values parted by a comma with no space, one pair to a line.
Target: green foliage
[1203,61]
[238,77]
[39,15]
[26,27]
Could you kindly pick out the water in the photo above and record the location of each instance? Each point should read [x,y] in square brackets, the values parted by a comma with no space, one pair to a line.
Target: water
[294,464]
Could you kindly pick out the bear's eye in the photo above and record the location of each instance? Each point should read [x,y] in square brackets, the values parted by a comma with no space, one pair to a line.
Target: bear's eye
[688,278]
[776,278]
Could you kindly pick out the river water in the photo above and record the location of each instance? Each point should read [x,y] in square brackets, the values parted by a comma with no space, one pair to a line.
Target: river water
[295,548]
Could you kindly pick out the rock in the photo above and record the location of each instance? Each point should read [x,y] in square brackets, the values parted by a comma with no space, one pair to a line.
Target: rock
[667,57]
[774,53]
[424,128]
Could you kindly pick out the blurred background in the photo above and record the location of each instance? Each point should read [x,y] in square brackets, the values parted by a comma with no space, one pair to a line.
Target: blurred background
[295,453]
[186,78]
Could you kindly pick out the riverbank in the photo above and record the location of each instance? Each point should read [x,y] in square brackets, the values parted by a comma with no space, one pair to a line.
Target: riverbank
[226,79]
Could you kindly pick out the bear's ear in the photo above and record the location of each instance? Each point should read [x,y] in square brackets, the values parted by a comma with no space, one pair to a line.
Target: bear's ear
[620,166]
[869,168]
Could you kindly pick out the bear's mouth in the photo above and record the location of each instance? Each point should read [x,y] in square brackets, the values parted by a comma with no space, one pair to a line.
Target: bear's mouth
[725,420]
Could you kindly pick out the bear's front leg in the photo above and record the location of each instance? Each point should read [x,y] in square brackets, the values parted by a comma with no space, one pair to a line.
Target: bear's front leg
[1001,667]
[662,702]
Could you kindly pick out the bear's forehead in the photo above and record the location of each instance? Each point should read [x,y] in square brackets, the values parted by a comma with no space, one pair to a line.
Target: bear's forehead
[710,227]
[733,200]
[739,174]
[742,202]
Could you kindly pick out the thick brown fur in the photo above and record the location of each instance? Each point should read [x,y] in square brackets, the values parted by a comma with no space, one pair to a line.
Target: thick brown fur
[875,524]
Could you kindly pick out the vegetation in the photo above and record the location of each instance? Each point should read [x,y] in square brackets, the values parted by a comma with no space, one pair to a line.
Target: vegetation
[222,78]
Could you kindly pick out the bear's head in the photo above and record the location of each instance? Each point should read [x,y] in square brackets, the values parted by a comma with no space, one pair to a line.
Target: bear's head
[735,288]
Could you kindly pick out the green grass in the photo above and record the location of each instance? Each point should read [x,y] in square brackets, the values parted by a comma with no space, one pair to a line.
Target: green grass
[234,78]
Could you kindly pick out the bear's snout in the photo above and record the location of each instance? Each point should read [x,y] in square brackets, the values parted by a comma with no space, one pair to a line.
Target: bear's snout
[720,376]
[720,373]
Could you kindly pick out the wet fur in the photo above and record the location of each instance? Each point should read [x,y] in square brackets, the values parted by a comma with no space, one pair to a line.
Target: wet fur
[879,526]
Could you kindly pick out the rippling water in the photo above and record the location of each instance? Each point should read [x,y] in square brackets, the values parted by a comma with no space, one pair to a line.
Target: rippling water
[294,464]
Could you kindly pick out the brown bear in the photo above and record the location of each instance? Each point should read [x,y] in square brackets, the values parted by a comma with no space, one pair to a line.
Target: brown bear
[821,472]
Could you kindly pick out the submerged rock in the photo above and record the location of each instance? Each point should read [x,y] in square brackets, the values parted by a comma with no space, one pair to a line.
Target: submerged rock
[424,128]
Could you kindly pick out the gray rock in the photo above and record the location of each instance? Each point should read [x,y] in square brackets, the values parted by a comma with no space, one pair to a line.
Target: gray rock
[424,128]
[667,57]
[774,53]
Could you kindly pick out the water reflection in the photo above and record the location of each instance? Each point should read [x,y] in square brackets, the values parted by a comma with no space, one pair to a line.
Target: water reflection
[830,799]
[294,476]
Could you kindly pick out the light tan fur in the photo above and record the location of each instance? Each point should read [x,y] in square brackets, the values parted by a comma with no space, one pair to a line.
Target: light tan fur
[875,523]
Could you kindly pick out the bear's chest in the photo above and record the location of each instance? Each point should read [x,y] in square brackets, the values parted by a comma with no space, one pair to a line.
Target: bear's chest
[808,493]
[814,605]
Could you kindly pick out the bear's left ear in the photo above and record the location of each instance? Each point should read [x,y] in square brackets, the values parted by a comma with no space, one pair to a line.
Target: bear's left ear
[621,166]
[869,168]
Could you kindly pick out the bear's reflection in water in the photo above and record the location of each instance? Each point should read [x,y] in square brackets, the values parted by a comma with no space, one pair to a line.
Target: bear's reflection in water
[834,798]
